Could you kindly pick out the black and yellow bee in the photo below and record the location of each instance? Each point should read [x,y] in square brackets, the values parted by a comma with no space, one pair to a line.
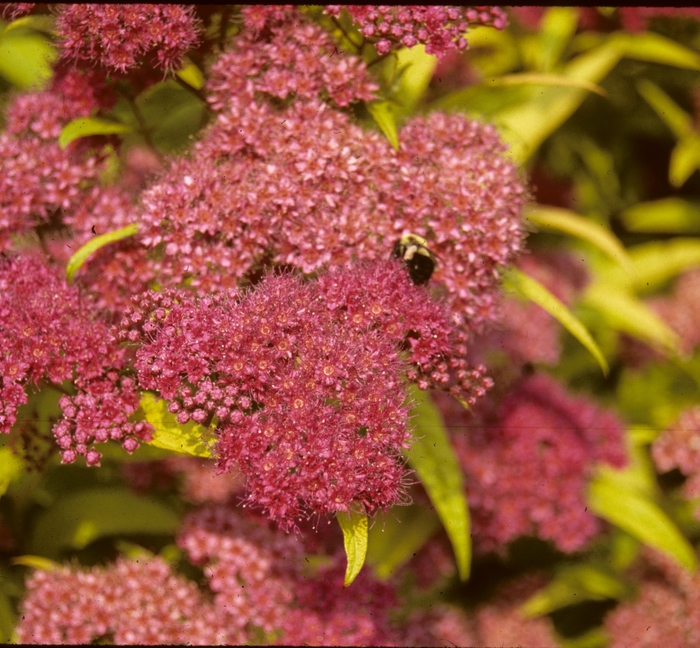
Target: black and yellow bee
[418,259]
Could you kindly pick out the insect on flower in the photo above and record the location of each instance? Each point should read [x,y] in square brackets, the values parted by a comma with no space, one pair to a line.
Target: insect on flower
[418,259]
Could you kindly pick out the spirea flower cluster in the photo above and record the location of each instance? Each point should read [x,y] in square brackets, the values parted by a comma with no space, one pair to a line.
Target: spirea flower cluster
[306,380]
[121,37]
[47,334]
[528,462]
[439,28]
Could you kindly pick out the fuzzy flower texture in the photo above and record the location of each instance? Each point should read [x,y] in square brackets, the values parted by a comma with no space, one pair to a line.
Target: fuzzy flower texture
[305,380]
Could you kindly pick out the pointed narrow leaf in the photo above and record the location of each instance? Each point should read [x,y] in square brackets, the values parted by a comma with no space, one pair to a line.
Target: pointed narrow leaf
[555,80]
[679,121]
[383,116]
[191,75]
[568,222]
[659,261]
[354,526]
[10,468]
[36,562]
[77,260]
[190,438]
[629,314]
[533,290]
[654,48]
[666,215]
[685,160]
[399,537]
[641,517]
[419,67]
[86,126]
[435,462]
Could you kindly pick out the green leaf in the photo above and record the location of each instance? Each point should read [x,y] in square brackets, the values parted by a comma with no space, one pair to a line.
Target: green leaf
[26,58]
[557,28]
[654,48]
[575,584]
[626,313]
[435,462]
[191,75]
[79,258]
[540,79]
[354,526]
[666,215]
[568,222]
[39,22]
[190,438]
[80,518]
[36,562]
[399,537]
[383,115]
[531,289]
[11,467]
[685,160]
[680,122]
[86,126]
[658,262]
[641,517]
[418,71]
[526,126]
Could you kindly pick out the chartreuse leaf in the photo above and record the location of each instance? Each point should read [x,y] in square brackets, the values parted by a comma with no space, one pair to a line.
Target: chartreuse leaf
[542,79]
[557,28]
[568,222]
[666,215]
[575,584]
[354,526]
[526,126]
[36,562]
[7,618]
[86,126]
[531,289]
[80,518]
[625,312]
[10,468]
[79,258]
[418,69]
[384,117]
[685,160]
[191,75]
[654,48]
[657,262]
[679,121]
[399,537]
[25,57]
[190,438]
[435,462]
[636,513]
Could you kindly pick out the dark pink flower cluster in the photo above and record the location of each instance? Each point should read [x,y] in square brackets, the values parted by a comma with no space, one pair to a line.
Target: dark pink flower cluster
[526,331]
[681,310]
[527,464]
[14,10]
[128,602]
[679,447]
[257,579]
[121,37]
[306,382]
[439,28]
[303,185]
[47,333]
[37,178]
[665,612]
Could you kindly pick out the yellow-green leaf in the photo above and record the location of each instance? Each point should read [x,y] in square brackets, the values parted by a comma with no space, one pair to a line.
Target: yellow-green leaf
[26,58]
[86,126]
[354,526]
[641,517]
[399,537]
[36,562]
[556,80]
[658,262]
[655,48]
[527,287]
[665,215]
[384,117]
[79,258]
[190,438]
[625,312]
[10,468]
[191,75]
[685,160]
[568,222]
[435,462]
[680,122]
[418,69]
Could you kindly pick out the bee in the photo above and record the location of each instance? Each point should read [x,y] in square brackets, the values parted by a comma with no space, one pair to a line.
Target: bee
[418,259]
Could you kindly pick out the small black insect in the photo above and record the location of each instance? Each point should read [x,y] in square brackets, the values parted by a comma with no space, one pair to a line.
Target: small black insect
[418,259]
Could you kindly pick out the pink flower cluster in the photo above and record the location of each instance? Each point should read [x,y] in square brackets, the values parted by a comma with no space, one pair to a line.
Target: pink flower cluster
[665,611]
[439,28]
[306,380]
[679,447]
[256,576]
[128,602]
[46,333]
[234,207]
[39,180]
[528,462]
[121,37]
